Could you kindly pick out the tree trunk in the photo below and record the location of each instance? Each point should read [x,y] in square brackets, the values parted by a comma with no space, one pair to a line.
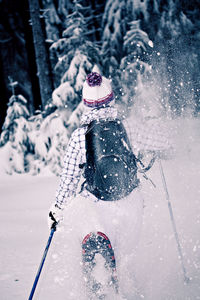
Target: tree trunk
[42,59]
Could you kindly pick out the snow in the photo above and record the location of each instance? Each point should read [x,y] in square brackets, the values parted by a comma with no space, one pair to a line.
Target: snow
[62,94]
[25,201]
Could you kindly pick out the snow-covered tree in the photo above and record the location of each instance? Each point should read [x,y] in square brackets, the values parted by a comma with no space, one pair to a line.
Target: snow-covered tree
[33,143]
[15,134]
[114,28]
[17,109]
[48,137]
[93,12]
[136,70]
[151,20]
[177,42]
[116,16]
[76,56]
[52,20]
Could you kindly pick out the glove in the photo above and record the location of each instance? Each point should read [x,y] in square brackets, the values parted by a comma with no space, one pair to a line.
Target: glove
[55,216]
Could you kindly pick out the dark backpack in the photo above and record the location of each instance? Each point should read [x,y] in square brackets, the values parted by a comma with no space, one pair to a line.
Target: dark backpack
[111,169]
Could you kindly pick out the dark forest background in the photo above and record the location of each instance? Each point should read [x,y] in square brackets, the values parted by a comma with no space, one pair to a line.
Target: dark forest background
[48,46]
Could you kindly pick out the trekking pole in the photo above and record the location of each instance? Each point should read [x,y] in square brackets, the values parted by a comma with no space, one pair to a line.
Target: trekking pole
[53,229]
[186,279]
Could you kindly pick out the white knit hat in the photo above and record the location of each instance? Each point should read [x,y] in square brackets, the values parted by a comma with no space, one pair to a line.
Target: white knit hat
[97,90]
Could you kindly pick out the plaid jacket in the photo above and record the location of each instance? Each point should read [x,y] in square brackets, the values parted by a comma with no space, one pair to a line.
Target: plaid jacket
[151,138]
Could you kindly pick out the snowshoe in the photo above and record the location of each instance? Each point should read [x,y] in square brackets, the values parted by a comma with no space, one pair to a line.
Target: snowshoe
[99,266]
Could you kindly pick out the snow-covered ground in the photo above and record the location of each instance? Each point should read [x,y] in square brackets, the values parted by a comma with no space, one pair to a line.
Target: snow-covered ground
[25,200]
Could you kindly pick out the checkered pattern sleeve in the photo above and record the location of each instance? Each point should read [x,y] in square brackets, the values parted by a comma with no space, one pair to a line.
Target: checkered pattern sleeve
[75,155]
[150,136]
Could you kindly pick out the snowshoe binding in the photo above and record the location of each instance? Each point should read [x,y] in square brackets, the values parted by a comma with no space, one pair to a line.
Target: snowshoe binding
[99,266]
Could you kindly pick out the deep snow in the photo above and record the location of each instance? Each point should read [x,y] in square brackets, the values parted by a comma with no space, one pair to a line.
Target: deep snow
[25,201]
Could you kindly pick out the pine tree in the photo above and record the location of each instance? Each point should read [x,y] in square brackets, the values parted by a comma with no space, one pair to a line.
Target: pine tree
[135,66]
[76,56]
[15,134]
[114,28]
[17,109]
[149,16]
[49,137]
[176,42]
[52,20]
[93,13]
[115,19]
[191,11]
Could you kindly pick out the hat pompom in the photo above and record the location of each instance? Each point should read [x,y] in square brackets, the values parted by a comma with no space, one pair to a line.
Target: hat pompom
[94,79]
